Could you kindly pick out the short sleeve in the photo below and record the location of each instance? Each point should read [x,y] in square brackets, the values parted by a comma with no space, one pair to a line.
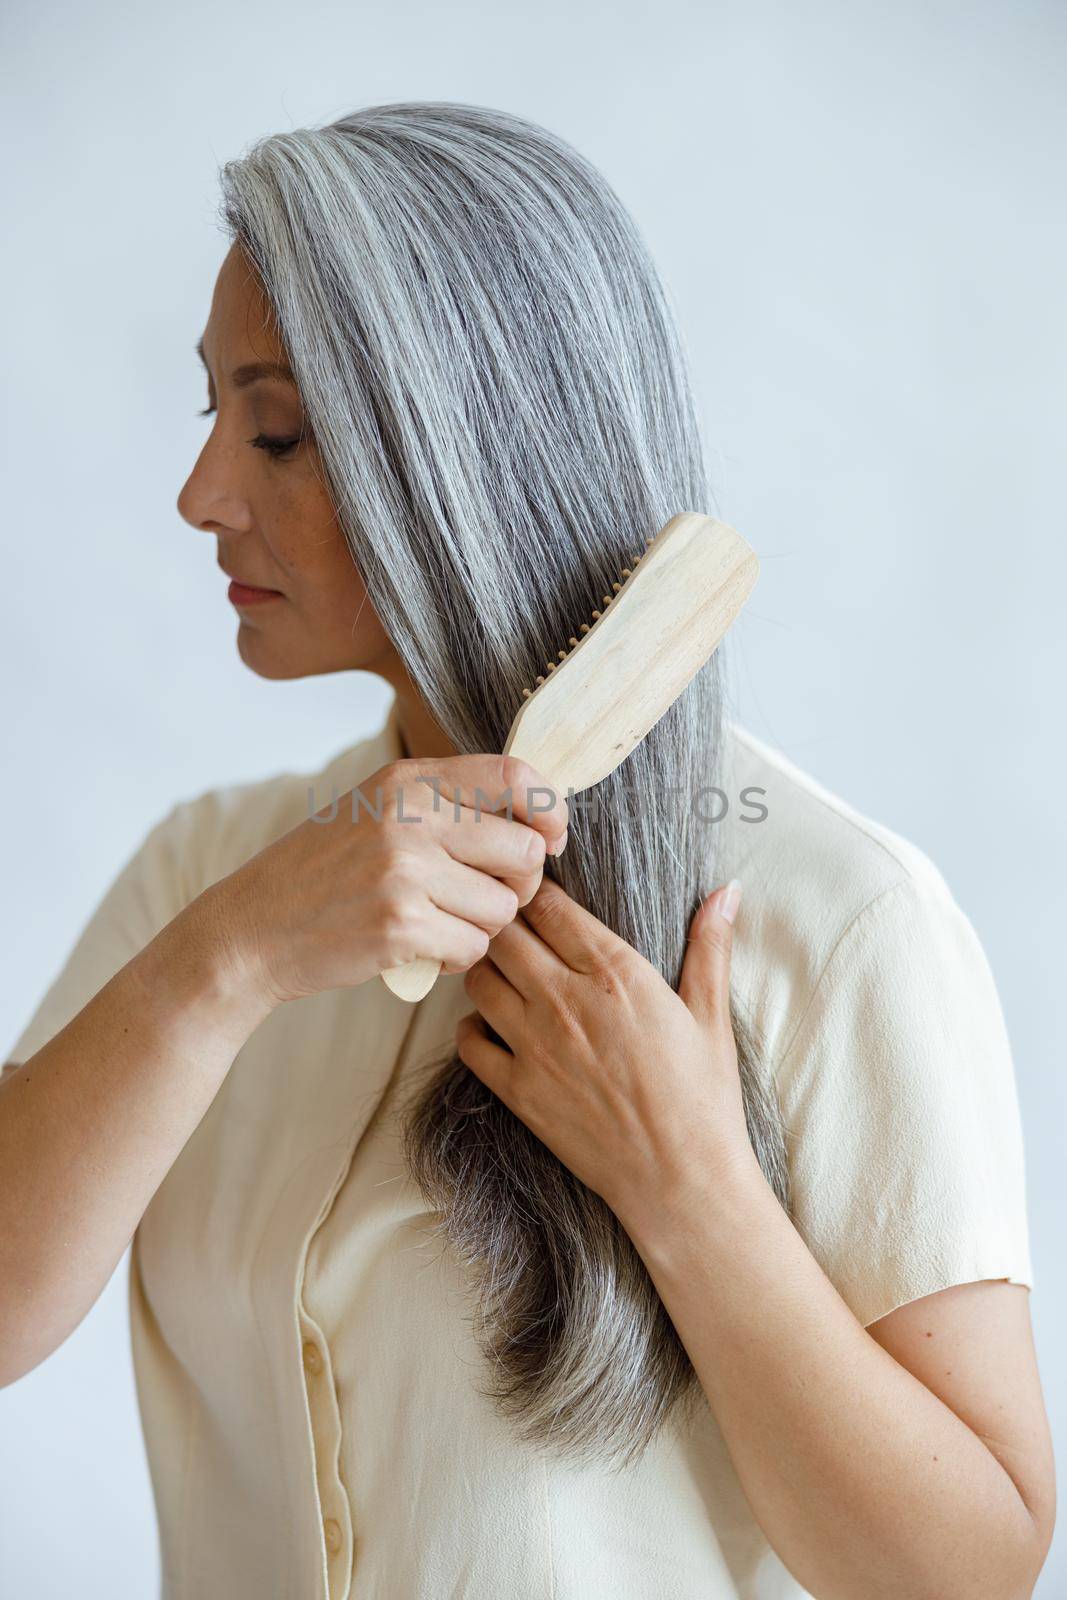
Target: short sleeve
[903,1127]
[147,893]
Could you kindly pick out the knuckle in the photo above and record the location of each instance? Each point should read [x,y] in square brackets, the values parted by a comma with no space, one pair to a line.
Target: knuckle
[509,908]
[567,1016]
[399,871]
[401,880]
[612,974]
[407,792]
[534,852]
[514,774]
[473,974]
[477,946]
[393,776]
[551,909]
[527,786]
[398,931]
[528,887]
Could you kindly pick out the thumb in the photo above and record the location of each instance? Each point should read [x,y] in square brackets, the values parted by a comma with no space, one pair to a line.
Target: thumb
[705,980]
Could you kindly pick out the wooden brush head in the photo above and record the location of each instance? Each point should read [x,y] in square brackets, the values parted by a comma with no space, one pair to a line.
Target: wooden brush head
[654,634]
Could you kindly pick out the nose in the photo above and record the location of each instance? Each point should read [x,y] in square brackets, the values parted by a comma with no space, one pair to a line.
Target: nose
[210,499]
[184,504]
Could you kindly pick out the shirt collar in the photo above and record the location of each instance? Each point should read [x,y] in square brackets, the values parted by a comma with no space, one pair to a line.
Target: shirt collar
[390,736]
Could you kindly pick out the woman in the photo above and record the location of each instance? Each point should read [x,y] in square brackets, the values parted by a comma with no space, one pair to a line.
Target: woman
[662,1233]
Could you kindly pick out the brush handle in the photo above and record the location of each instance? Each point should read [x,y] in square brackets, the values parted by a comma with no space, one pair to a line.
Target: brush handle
[412,980]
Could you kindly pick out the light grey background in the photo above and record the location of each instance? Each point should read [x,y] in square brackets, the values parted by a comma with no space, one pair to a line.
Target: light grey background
[858,211]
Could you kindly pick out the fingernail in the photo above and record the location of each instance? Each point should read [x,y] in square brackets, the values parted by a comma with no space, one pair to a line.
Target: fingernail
[731,900]
[560,843]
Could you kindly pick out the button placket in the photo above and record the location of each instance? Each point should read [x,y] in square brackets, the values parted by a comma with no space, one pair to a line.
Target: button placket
[326,1432]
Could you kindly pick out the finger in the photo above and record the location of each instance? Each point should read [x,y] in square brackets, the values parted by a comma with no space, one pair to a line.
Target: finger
[474,896]
[705,981]
[501,1005]
[431,934]
[493,782]
[490,843]
[526,887]
[580,940]
[488,853]
[490,1062]
[525,960]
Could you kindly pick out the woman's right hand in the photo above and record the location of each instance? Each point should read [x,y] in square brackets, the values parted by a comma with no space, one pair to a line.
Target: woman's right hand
[341,897]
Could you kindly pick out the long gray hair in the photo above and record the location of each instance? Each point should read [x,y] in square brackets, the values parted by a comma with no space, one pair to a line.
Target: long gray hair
[492,376]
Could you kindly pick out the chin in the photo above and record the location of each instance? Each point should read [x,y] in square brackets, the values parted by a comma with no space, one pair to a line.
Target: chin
[268,659]
[264,660]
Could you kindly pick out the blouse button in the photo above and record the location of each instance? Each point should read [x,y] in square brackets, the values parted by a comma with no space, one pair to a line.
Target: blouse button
[312,1357]
[332,1530]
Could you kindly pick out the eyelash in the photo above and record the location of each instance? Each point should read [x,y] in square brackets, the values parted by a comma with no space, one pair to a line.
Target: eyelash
[275,448]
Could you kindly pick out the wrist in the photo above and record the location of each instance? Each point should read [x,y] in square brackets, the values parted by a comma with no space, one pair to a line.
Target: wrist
[216,961]
[711,1196]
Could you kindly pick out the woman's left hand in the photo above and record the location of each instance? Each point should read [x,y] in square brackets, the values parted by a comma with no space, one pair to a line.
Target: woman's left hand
[633,1086]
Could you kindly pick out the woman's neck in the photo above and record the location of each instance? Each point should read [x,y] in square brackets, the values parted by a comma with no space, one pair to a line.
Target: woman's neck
[420,735]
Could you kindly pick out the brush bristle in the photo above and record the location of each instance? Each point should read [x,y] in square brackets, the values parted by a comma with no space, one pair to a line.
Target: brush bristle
[584,627]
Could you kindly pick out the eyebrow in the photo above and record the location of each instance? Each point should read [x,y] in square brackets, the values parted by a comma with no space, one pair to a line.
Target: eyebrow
[253,371]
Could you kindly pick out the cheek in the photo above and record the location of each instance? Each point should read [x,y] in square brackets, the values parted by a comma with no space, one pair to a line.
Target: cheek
[324,581]
[308,544]
[324,585]
[317,560]
[337,576]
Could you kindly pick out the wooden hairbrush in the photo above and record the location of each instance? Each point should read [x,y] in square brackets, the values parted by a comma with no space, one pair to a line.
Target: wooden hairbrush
[622,672]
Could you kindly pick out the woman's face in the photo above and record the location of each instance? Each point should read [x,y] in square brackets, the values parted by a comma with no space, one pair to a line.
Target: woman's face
[257,486]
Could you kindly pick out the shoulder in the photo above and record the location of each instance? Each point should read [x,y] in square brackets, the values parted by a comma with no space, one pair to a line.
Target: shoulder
[830,839]
[827,890]
[200,840]
[878,1016]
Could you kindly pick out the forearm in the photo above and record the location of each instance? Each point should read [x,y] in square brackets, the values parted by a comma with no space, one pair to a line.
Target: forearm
[865,1483]
[91,1124]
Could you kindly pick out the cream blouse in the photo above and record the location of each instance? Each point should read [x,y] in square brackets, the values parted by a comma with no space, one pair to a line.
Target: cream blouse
[310,1388]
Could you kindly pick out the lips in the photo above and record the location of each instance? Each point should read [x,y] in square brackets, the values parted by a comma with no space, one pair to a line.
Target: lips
[247,594]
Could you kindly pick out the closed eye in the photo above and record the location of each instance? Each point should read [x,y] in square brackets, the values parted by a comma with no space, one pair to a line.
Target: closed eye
[275,448]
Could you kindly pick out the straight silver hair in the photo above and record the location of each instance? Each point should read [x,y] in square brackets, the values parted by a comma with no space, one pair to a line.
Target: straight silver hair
[493,379]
